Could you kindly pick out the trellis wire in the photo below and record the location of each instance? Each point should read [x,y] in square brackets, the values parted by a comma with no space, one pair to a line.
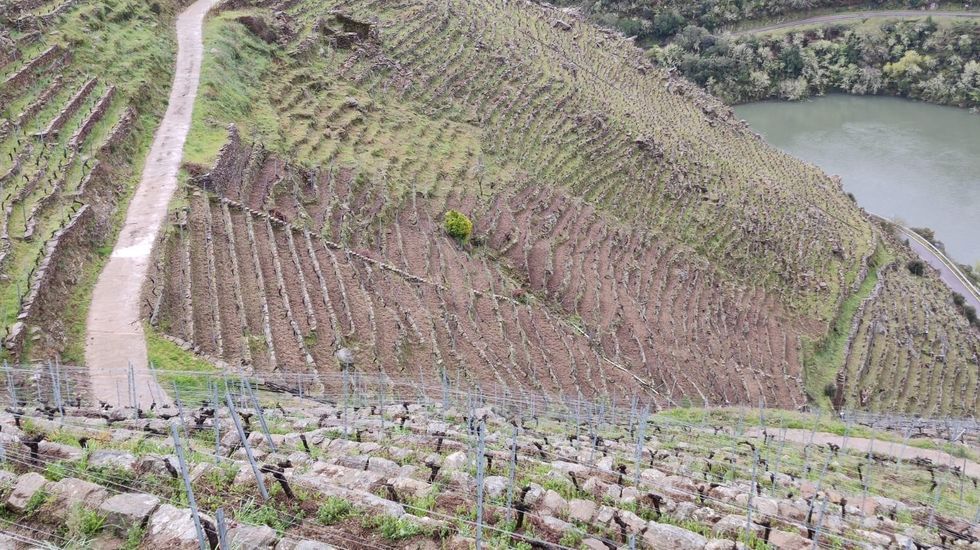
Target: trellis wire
[640,439]
[752,490]
[219,517]
[11,387]
[513,472]
[180,410]
[217,423]
[819,528]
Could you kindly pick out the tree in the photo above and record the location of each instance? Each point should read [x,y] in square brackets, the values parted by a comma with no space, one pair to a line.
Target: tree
[906,70]
[691,38]
[667,22]
[792,62]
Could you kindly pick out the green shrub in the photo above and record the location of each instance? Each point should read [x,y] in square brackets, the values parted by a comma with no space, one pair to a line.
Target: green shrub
[36,501]
[830,390]
[457,225]
[393,528]
[84,523]
[572,538]
[971,314]
[334,509]
[916,267]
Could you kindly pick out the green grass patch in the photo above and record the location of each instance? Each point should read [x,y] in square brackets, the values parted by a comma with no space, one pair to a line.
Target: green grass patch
[264,514]
[334,510]
[174,364]
[823,359]
[230,89]
[134,536]
[37,500]
[393,528]
[84,523]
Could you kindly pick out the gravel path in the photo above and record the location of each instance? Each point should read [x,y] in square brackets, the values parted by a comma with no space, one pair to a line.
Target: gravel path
[115,332]
[857,15]
[860,444]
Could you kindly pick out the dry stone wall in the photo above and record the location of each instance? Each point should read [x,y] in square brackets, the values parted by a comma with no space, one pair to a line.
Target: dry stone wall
[70,237]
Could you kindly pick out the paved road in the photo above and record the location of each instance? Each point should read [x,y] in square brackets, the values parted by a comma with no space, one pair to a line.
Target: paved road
[890,448]
[856,15]
[946,273]
[115,331]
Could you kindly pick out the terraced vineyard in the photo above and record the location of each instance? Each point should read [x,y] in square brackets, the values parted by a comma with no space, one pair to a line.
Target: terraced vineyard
[628,231]
[80,83]
[918,374]
[361,462]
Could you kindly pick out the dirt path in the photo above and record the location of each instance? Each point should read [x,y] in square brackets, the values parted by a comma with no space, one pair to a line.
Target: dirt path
[115,333]
[897,450]
[857,15]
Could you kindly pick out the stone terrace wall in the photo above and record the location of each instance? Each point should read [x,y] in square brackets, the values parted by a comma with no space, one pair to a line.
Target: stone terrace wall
[69,238]
[230,166]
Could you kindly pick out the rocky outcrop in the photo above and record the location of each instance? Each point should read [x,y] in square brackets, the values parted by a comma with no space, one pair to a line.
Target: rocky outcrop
[69,492]
[172,527]
[125,510]
[26,487]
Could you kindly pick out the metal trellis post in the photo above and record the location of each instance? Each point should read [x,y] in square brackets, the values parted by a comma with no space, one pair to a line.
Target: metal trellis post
[248,449]
[202,539]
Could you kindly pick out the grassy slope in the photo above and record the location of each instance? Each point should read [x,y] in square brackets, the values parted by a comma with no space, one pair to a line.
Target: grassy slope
[129,44]
[235,89]
[138,55]
[822,360]
[231,90]
[168,358]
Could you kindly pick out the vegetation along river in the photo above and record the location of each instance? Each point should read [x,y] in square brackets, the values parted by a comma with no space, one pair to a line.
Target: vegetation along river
[909,160]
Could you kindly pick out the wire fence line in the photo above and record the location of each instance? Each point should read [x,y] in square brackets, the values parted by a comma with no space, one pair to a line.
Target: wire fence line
[51,385]
[24,460]
[48,384]
[351,428]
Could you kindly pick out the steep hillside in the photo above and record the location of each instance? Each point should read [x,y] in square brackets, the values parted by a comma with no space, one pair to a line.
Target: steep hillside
[629,233]
[82,85]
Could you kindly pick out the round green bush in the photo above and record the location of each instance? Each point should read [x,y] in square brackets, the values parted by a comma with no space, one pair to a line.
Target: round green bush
[457,225]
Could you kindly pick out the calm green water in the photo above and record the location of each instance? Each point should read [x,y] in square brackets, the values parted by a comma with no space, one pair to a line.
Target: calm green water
[905,159]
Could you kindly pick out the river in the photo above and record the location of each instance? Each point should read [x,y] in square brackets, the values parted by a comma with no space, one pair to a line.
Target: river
[913,161]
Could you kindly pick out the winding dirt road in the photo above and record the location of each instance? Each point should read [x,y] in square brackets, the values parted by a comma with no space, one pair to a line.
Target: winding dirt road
[955,281]
[115,332]
[857,15]
[948,272]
